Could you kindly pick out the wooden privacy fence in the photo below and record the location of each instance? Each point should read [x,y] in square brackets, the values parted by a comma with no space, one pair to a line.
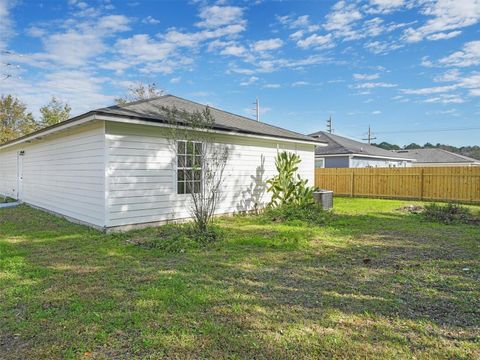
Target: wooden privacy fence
[461,184]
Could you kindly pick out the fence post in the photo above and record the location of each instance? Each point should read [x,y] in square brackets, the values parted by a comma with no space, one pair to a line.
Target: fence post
[352,180]
[421,183]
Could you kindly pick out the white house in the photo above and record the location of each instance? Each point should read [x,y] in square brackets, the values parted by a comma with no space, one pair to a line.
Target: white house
[438,157]
[342,152]
[115,167]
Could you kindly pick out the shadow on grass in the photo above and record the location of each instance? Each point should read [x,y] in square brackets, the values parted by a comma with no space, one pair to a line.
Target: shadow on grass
[386,279]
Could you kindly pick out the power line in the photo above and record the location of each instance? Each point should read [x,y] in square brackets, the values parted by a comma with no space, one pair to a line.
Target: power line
[329,124]
[369,136]
[425,130]
[257,109]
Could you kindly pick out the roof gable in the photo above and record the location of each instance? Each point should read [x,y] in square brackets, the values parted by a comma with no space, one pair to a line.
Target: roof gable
[153,110]
[341,145]
[436,156]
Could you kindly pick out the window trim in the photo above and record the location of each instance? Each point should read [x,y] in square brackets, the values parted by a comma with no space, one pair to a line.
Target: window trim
[177,168]
[323,162]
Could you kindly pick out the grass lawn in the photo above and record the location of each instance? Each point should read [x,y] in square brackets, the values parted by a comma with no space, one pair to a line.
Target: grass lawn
[374,283]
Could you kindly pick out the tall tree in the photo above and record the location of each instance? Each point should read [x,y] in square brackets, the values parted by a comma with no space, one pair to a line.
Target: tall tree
[15,121]
[54,112]
[140,91]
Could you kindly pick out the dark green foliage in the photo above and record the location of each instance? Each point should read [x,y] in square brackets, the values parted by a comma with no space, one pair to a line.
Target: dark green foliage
[412,146]
[305,213]
[448,214]
[387,146]
[287,187]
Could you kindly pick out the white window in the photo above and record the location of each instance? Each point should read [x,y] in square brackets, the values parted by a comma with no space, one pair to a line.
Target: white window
[319,163]
[189,167]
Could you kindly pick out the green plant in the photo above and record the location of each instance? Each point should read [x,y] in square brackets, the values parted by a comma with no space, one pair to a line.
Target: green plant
[448,214]
[305,213]
[287,187]
[6,199]
[174,238]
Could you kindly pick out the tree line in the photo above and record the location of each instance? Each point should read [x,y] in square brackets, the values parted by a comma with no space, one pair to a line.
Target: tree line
[17,121]
[470,151]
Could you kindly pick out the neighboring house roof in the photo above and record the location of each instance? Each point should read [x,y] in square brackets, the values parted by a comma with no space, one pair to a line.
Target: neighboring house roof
[339,145]
[436,156]
[153,110]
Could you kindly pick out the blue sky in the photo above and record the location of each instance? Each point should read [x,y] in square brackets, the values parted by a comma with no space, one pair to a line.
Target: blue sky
[409,68]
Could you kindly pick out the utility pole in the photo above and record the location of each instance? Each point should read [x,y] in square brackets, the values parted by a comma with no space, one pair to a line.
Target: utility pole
[369,137]
[257,109]
[329,124]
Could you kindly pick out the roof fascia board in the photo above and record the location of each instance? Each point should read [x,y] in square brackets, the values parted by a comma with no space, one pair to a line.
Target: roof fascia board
[364,155]
[127,120]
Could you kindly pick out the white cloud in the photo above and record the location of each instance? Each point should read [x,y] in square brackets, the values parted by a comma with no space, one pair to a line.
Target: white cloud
[272,86]
[118,66]
[283,63]
[450,75]
[371,85]
[381,48]
[300,22]
[314,40]
[112,23]
[445,99]
[216,16]
[376,112]
[300,83]
[342,16]
[249,81]
[234,50]
[366,76]
[143,47]
[468,56]
[444,35]
[6,23]
[430,90]
[81,89]
[151,20]
[342,19]
[266,45]
[446,15]
[175,80]
[385,6]
[77,45]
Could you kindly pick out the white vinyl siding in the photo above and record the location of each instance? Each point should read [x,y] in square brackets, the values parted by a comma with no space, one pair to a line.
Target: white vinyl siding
[141,177]
[8,173]
[64,173]
[364,162]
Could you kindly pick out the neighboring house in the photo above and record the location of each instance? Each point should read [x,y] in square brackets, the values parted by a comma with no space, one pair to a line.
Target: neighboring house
[342,152]
[115,167]
[437,157]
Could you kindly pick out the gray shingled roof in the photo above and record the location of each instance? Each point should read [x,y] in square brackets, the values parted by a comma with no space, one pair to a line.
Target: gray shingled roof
[436,156]
[341,145]
[154,110]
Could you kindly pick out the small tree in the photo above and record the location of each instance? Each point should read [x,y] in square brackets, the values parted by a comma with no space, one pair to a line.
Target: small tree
[54,112]
[287,187]
[201,162]
[140,91]
[15,121]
